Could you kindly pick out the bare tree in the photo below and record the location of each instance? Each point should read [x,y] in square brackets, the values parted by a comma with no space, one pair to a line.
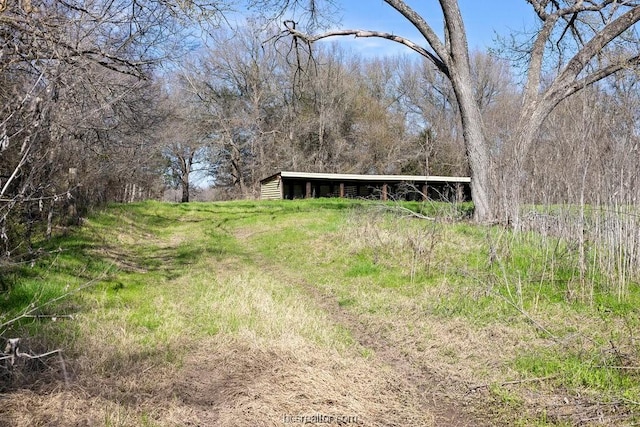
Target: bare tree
[433,111]
[380,135]
[73,89]
[237,85]
[183,137]
[587,41]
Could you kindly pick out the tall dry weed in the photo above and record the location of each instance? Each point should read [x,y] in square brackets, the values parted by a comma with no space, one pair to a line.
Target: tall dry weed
[603,239]
[393,236]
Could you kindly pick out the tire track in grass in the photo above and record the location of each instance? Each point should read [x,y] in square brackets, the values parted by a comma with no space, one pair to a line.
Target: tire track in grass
[427,388]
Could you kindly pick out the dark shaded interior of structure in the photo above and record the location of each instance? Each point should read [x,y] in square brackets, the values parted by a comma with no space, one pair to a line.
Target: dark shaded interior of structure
[439,191]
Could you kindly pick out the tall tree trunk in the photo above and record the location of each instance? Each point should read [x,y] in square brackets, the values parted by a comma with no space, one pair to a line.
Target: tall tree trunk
[185,170]
[184,182]
[185,191]
[476,147]
[454,54]
[531,119]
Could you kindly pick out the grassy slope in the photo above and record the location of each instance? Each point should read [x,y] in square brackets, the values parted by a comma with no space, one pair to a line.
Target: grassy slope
[241,313]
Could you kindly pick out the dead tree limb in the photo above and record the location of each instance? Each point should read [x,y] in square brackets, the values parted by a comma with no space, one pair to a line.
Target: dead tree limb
[526,380]
[32,309]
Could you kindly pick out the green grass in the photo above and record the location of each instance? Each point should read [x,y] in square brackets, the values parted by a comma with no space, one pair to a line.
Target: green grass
[529,279]
[589,373]
[167,276]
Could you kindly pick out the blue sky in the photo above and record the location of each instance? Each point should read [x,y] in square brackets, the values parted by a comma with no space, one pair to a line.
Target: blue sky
[483,20]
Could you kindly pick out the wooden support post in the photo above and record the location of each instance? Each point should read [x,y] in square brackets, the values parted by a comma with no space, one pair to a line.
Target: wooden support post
[308,190]
[385,189]
[424,192]
[341,190]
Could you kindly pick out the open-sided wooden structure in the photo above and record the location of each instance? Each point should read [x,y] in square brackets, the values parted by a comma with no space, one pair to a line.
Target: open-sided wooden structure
[298,185]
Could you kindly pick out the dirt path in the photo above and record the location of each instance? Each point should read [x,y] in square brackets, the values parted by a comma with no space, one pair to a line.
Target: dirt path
[430,388]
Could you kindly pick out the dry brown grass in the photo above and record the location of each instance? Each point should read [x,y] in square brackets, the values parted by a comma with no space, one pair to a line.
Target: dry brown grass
[239,382]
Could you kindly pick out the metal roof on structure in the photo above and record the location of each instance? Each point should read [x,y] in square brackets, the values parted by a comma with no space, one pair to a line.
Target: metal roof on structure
[360,177]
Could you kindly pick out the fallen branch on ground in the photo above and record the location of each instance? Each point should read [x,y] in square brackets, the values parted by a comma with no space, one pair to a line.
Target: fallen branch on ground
[53,317]
[406,212]
[630,368]
[12,351]
[526,380]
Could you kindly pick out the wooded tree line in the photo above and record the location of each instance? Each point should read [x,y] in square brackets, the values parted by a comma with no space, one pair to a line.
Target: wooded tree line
[77,112]
[92,113]
[259,111]
[251,112]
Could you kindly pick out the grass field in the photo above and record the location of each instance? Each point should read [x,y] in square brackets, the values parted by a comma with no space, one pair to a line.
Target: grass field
[324,311]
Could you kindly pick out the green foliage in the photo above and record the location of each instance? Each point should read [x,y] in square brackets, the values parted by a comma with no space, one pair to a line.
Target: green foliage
[505,396]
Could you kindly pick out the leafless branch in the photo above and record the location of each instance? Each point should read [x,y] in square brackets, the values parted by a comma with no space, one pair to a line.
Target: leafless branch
[502,384]
[33,308]
[310,39]
[397,208]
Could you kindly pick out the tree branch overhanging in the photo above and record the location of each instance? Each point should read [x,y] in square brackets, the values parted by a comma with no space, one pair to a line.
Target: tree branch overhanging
[598,42]
[421,25]
[310,39]
[600,74]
